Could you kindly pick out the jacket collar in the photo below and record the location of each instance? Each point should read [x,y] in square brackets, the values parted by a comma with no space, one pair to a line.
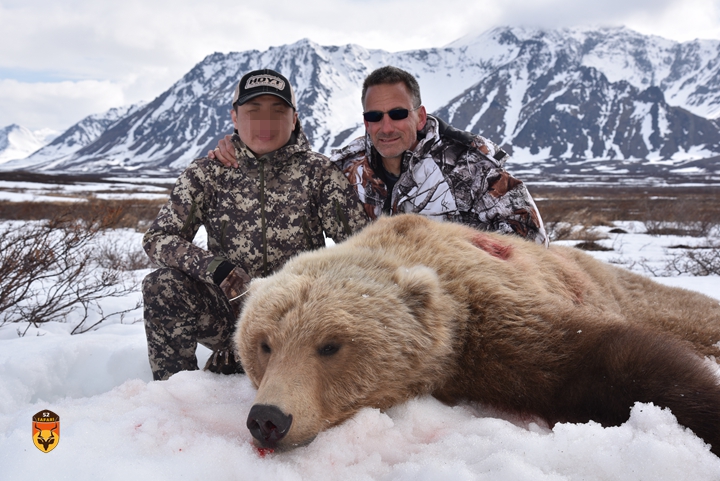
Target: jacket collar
[298,143]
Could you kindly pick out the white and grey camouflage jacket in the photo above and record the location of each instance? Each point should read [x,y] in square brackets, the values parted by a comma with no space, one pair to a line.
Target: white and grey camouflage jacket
[450,175]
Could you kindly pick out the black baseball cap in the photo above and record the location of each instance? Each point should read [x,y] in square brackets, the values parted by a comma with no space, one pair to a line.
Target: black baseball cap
[263,82]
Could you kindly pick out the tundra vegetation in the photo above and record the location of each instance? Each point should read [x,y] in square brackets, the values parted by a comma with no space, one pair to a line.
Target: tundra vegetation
[50,267]
[59,257]
[574,213]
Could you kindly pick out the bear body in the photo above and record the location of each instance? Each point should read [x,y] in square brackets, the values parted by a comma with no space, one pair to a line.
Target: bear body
[411,306]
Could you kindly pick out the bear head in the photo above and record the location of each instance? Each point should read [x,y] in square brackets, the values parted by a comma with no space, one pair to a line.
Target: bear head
[337,330]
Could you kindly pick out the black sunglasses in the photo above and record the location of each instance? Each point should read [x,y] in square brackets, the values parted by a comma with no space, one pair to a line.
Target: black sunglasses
[394,114]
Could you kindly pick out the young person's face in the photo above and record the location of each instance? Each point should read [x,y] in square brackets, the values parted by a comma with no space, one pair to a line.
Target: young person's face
[264,123]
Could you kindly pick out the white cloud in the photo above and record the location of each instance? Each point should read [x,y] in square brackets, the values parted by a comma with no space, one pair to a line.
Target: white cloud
[136,49]
[683,21]
[46,105]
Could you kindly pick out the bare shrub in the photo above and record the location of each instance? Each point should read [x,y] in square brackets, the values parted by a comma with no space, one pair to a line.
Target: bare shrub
[687,228]
[591,246]
[615,202]
[684,217]
[113,255]
[131,213]
[48,270]
[703,261]
[578,225]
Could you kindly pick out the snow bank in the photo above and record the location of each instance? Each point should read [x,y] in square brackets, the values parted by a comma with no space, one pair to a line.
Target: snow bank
[193,427]
[117,424]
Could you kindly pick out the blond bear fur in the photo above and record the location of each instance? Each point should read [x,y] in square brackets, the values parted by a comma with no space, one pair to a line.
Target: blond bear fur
[411,306]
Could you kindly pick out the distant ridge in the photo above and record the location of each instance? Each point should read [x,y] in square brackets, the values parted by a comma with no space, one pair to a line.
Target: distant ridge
[551,97]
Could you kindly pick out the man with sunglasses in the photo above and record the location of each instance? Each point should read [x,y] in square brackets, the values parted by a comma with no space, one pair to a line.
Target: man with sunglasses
[281,199]
[409,161]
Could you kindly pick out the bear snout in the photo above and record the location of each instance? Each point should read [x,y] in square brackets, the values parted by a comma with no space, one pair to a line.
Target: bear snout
[268,424]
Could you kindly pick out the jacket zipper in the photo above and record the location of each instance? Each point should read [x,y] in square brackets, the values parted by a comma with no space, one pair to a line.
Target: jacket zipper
[308,235]
[262,214]
[223,228]
[190,220]
[342,218]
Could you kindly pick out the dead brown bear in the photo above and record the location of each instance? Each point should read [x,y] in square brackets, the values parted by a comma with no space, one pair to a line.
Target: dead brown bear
[411,306]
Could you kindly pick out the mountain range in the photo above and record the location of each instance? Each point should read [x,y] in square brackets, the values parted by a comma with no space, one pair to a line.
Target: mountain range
[606,100]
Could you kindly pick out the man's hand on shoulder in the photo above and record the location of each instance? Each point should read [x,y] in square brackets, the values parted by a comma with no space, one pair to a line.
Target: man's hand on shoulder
[224,152]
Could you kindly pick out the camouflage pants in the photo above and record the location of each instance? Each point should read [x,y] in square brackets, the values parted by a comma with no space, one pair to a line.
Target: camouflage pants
[180,312]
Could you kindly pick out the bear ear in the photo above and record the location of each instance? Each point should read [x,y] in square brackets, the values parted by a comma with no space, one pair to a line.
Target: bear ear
[419,287]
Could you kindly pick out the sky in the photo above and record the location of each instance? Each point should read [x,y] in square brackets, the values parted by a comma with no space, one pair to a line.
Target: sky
[62,61]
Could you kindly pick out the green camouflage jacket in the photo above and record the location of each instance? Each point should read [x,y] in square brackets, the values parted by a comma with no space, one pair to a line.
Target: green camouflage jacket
[256,216]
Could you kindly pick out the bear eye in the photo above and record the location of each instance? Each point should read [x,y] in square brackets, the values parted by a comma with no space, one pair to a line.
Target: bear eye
[328,349]
[265,348]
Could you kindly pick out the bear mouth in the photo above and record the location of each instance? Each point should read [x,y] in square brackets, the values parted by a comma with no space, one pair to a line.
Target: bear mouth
[282,446]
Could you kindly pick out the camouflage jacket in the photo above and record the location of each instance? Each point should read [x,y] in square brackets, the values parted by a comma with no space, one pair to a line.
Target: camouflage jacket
[256,216]
[450,175]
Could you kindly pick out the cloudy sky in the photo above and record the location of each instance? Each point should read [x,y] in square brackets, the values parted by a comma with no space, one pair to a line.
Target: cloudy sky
[63,60]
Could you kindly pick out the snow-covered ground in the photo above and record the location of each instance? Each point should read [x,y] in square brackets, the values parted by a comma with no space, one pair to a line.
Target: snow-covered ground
[118,424]
[140,188]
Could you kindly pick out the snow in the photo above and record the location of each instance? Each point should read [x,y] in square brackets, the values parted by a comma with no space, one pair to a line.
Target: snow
[642,113]
[515,93]
[693,153]
[17,142]
[116,423]
[522,155]
[489,99]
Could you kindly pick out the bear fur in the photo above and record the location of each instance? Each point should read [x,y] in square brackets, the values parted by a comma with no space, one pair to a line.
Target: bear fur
[411,306]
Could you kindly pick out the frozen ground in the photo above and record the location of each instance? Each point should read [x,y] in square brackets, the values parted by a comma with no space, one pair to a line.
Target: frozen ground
[113,188]
[118,424]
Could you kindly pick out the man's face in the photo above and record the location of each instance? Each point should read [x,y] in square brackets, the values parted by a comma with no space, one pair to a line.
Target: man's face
[393,137]
[264,123]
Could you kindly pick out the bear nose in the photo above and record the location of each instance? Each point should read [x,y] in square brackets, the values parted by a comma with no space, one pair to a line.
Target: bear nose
[268,424]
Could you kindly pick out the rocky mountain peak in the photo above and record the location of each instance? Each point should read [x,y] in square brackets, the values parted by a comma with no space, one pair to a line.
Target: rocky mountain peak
[557,96]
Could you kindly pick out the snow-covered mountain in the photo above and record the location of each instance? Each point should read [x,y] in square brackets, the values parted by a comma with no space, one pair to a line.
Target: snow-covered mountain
[611,94]
[17,142]
[54,154]
[548,96]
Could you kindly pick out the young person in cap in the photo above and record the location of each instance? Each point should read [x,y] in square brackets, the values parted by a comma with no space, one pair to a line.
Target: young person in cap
[409,161]
[280,200]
